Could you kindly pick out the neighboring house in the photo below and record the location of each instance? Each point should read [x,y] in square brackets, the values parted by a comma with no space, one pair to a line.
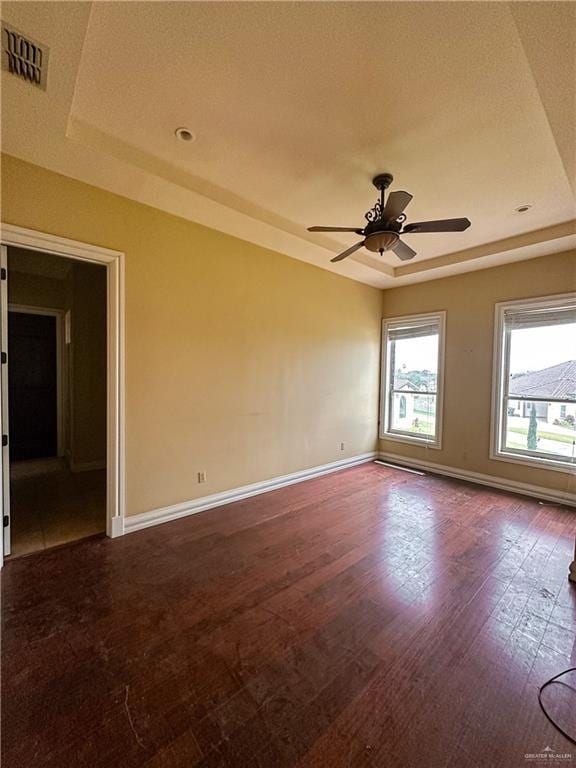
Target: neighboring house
[555,383]
[403,415]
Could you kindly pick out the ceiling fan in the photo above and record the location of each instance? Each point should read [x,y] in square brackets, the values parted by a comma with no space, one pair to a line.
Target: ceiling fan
[386,224]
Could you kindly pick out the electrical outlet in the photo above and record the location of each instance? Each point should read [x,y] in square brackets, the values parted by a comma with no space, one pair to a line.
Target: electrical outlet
[202,476]
[341,446]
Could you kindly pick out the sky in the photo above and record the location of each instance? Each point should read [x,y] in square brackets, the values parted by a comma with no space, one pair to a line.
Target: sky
[536,348]
[417,354]
[532,349]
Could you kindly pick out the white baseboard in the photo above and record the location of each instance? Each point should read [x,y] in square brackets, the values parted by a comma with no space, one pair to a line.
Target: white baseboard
[86,466]
[536,491]
[176,511]
[165,514]
[115,527]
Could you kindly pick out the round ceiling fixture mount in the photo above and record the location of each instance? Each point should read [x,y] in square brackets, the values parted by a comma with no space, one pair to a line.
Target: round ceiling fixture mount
[523,208]
[184,134]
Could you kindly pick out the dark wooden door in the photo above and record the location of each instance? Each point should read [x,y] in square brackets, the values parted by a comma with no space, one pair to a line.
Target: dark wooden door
[32,385]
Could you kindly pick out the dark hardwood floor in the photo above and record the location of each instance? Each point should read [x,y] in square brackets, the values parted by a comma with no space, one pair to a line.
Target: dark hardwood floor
[366,618]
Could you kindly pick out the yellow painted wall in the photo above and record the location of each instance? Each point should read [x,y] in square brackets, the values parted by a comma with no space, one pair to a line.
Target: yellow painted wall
[248,364]
[469,302]
[239,361]
[87,293]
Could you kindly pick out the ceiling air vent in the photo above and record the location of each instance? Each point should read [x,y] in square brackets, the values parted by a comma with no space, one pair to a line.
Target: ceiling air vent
[24,57]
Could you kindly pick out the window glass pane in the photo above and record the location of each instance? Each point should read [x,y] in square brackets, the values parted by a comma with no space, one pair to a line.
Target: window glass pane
[536,351]
[542,365]
[414,414]
[415,363]
[539,428]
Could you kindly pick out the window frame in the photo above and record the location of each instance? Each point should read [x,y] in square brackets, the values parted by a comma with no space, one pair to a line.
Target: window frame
[500,374]
[384,431]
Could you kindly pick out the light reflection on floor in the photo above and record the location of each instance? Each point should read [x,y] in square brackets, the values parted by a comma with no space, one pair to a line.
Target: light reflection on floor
[408,542]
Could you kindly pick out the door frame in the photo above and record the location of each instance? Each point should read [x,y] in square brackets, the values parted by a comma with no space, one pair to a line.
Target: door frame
[61,363]
[12,235]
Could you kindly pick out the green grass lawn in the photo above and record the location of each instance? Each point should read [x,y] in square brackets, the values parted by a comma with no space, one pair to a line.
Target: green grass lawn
[545,435]
[426,423]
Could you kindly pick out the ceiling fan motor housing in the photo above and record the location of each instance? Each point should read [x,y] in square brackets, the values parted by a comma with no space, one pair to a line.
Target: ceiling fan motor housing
[381,241]
[381,235]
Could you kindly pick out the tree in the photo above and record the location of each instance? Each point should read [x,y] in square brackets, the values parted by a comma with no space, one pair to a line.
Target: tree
[533,430]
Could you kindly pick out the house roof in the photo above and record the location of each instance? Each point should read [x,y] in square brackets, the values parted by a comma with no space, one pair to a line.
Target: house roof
[403,382]
[556,382]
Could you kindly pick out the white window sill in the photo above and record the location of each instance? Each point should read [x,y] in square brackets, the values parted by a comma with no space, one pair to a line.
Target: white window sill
[410,440]
[530,461]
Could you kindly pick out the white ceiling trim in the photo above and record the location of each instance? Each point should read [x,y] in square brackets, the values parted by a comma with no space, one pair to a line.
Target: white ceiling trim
[557,237]
[80,131]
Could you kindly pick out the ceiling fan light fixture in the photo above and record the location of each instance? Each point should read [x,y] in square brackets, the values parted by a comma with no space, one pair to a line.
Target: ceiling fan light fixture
[381,241]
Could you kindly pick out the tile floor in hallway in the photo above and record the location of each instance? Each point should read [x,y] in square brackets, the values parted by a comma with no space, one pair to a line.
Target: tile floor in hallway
[54,506]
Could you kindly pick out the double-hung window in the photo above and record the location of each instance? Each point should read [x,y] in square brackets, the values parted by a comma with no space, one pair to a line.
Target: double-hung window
[412,373]
[534,390]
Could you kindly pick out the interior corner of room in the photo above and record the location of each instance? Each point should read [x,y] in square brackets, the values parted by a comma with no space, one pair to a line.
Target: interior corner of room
[272,368]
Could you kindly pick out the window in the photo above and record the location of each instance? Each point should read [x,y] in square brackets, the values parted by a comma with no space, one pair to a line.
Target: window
[534,397]
[412,366]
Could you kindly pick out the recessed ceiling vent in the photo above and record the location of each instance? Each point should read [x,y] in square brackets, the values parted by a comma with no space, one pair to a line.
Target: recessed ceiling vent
[24,57]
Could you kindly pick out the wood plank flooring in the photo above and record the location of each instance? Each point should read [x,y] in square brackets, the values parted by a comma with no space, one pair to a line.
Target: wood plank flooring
[366,618]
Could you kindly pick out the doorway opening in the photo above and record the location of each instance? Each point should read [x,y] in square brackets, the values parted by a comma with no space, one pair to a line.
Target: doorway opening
[57,399]
[45,246]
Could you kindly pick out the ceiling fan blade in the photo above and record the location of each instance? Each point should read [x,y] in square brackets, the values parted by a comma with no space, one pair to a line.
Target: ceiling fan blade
[443,225]
[395,204]
[403,251]
[348,252]
[335,229]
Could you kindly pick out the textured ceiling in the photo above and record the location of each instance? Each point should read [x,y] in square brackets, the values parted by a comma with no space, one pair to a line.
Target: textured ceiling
[297,105]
